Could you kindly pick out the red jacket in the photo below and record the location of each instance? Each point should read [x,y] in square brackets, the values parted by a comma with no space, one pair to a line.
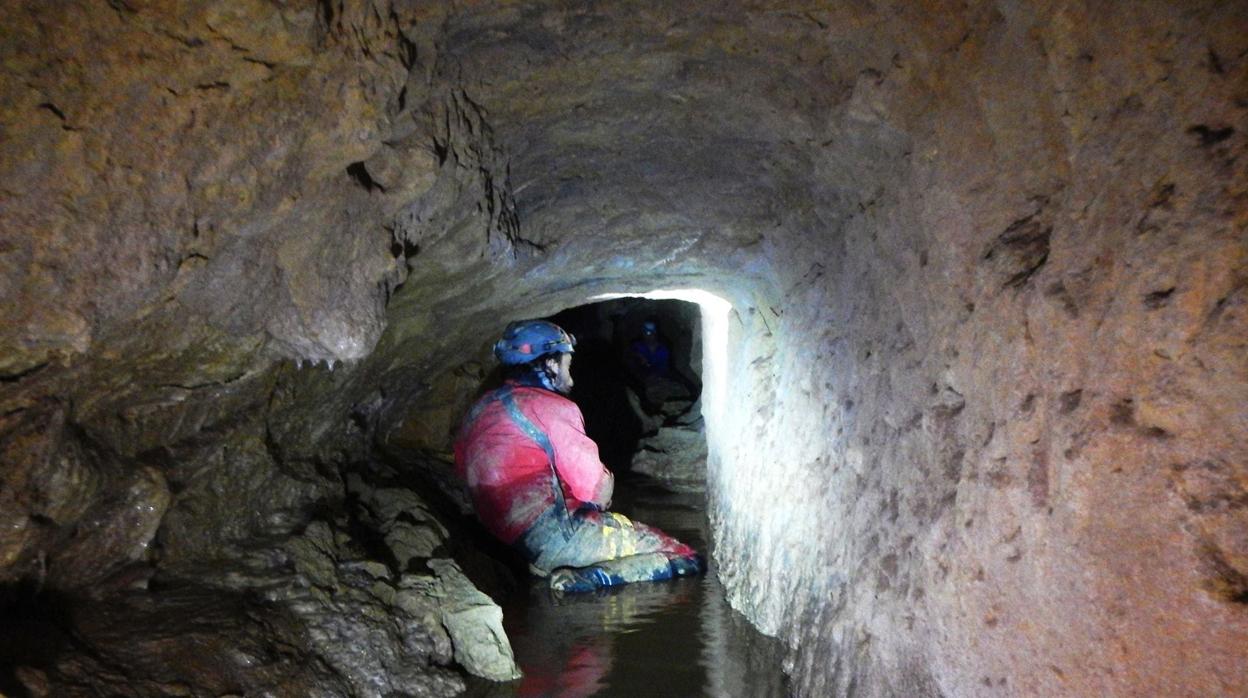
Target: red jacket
[508,473]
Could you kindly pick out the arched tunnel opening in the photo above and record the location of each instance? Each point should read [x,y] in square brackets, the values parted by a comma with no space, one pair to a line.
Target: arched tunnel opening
[971,283]
[638,367]
[637,370]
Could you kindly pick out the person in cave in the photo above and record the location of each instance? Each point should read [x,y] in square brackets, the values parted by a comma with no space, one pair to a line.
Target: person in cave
[649,355]
[536,480]
[649,362]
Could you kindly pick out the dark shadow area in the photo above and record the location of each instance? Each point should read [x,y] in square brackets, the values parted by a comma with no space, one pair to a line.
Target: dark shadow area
[32,633]
[141,642]
[637,369]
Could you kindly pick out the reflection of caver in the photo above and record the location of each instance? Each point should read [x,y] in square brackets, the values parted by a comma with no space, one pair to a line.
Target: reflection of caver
[536,480]
[566,643]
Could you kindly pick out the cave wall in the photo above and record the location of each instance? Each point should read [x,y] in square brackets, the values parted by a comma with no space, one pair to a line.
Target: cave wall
[201,200]
[987,264]
[984,261]
[201,208]
[1002,395]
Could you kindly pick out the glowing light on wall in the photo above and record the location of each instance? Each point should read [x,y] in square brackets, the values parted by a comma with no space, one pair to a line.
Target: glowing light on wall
[714,342]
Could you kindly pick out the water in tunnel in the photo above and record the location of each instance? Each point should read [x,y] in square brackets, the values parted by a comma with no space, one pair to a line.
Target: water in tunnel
[636,363]
[973,281]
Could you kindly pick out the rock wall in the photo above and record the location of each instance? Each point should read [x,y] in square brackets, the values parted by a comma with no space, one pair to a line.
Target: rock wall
[984,430]
[1002,395]
[200,200]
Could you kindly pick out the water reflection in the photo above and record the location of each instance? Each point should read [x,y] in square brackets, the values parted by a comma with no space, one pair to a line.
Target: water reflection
[677,638]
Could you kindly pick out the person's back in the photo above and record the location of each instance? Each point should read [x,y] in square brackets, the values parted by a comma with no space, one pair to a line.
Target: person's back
[508,473]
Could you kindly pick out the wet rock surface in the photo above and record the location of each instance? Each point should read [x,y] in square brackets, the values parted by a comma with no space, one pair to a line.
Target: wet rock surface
[357,605]
[674,455]
[982,422]
[475,624]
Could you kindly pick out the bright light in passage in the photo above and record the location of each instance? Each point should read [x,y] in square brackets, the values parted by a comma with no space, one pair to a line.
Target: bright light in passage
[714,341]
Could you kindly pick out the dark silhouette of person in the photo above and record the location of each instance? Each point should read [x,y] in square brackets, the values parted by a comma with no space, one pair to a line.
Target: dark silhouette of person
[649,354]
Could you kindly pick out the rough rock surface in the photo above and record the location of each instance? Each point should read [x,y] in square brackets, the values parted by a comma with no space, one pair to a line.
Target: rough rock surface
[342,607]
[675,456]
[984,422]
[475,624]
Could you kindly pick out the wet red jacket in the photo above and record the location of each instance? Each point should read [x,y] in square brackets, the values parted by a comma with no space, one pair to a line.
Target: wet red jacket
[507,472]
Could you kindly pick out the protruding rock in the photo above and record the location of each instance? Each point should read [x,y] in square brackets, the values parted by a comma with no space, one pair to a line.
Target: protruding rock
[475,624]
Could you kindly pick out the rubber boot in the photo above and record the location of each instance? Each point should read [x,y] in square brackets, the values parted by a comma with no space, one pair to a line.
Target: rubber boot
[573,580]
[648,567]
[688,566]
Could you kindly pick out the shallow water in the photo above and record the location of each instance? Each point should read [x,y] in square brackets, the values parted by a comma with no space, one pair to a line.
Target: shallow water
[673,638]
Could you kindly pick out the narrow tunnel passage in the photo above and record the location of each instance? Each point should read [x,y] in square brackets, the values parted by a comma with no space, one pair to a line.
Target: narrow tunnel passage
[645,418]
[974,404]
[670,638]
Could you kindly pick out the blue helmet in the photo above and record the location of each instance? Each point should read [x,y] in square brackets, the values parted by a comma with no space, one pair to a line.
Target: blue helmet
[526,340]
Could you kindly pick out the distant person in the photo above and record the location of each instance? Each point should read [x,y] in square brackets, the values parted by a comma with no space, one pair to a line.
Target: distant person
[649,354]
[649,362]
[536,480]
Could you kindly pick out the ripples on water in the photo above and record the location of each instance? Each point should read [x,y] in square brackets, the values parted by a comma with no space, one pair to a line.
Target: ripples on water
[674,638]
